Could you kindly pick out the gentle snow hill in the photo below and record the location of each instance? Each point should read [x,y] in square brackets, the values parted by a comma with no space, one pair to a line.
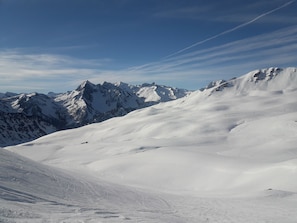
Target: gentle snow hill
[238,137]
[32,192]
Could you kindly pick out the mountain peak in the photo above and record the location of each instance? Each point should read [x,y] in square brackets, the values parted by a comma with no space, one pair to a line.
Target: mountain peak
[264,74]
[148,85]
[269,79]
[7,95]
[84,85]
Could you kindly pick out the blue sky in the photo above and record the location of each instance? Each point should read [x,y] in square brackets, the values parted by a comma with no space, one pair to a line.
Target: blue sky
[54,45]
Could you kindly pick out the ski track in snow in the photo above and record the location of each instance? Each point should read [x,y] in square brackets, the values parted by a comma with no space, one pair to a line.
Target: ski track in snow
[217,156]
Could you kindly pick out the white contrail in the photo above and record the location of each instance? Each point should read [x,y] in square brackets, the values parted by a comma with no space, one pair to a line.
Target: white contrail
[231,30]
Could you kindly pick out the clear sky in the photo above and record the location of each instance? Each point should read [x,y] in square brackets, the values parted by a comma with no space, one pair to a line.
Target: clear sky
[54,45]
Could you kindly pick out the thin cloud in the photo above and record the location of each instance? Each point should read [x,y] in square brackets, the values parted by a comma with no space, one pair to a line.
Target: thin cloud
[272,19]
[24,59]
[271,49]
[254,44]
[55,72]
[46,70]
[231,30]
[40,72]
[185,13]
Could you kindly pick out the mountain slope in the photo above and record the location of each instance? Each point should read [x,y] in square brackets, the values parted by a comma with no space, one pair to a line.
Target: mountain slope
[224,154]
[271,79]
[32,192]
[89,103]
[17,127]
[241,135]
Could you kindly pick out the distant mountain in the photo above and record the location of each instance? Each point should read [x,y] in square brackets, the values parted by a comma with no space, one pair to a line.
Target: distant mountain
[25,117]
[7,94]
[271,79]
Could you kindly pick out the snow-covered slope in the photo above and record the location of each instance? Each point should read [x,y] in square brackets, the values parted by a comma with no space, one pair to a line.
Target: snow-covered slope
[88,103]
[247,132]
[32,192]
[224,154]
[271,79]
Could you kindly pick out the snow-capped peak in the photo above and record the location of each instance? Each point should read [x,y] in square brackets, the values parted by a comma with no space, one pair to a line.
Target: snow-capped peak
[270,79]
[86,84]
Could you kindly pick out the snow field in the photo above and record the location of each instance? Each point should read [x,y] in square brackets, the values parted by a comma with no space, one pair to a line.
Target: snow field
[215,156]
[186,146]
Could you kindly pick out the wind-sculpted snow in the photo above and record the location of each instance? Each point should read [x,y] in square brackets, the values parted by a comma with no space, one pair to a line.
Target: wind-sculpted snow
[226,155]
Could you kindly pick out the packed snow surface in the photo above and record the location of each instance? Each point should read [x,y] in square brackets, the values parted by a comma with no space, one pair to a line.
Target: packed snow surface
[227,153]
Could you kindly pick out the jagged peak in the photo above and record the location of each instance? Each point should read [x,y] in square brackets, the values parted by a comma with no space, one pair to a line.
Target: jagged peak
[33,94]
[53,94]
[217,85]
[107,84]
[120,83]
[123,85]
[148,85]
[85,84]
[7,94]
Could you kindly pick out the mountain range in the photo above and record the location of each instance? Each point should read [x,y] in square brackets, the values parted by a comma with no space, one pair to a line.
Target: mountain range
[25,117]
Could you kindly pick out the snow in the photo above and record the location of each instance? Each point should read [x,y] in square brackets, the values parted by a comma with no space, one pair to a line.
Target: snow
[109,100]
[33,192]
[159,93]
[149,93]
[224,154]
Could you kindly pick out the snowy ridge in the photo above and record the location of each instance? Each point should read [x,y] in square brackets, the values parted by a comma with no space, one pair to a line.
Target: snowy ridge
[270,79]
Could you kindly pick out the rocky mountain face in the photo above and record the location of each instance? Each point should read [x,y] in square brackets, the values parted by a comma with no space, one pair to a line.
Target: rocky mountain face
[24,117]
